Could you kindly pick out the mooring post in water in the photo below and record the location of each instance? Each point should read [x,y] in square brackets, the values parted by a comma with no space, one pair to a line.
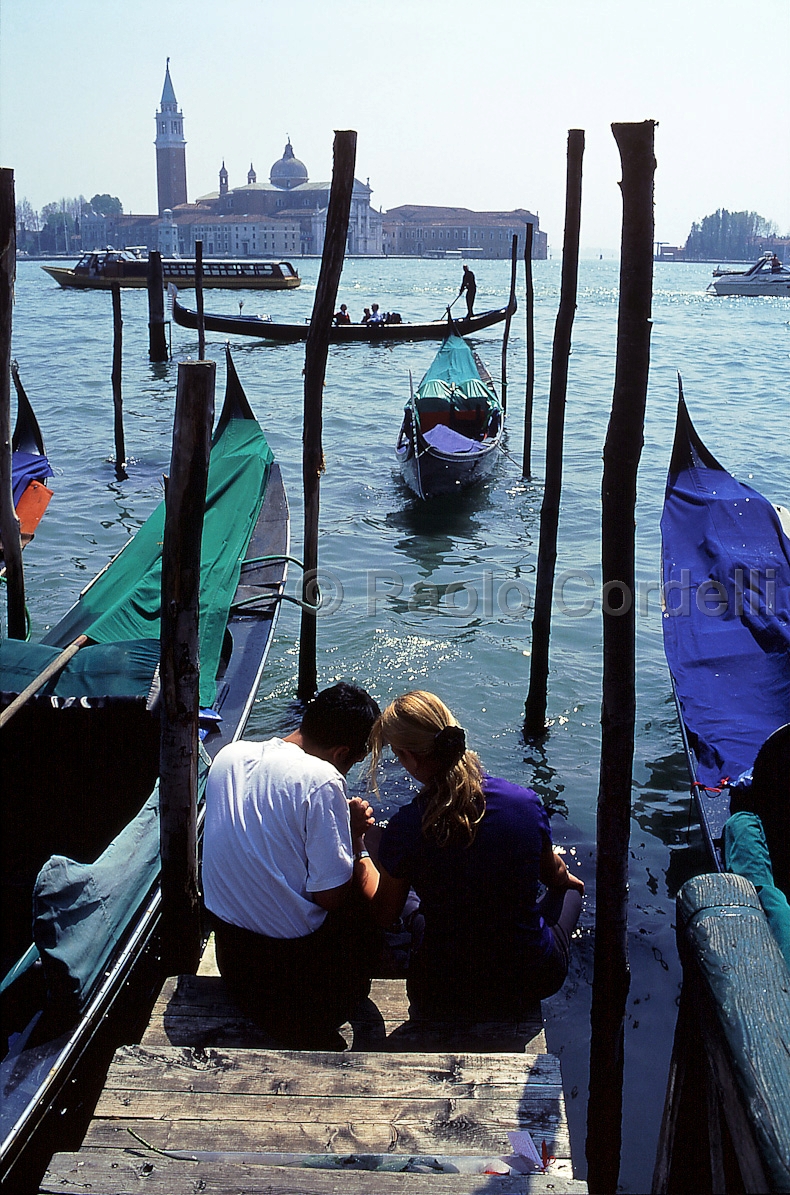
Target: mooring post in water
[622,451]
[511,306]
[157,342]
[117,397]
[316,350]
[201,318]
[9,523]
[535,709]
[180,664]
[526,467]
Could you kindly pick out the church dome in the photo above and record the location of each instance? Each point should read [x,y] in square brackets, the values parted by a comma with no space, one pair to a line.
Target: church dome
[288,171]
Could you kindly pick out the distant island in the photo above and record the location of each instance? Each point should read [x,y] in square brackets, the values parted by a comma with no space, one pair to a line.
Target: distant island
[727,236]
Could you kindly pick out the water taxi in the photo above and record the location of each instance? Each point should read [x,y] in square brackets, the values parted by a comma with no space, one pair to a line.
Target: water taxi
[101,269]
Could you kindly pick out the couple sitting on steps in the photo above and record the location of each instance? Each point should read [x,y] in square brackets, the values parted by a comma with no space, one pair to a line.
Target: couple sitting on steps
[298,903]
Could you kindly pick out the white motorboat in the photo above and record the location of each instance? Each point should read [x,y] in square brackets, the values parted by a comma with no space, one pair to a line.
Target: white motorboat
[768,276]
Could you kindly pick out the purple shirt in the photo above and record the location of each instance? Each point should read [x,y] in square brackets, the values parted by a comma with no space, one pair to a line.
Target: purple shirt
[481,924]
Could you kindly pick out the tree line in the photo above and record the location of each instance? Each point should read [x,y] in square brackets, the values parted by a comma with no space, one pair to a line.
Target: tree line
[56,228]
[731,236]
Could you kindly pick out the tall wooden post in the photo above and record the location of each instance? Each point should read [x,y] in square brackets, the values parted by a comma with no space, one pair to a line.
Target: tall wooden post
[157,344]
[201,319]
[180,664]
[9,523]
[622,451]
[117,398]
[316,351]
[511,307]
[526,467]
[535,710]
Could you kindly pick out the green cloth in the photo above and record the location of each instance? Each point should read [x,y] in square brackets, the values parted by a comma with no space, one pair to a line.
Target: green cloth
[746,854]
[111,670]
[454,377]
[123,603]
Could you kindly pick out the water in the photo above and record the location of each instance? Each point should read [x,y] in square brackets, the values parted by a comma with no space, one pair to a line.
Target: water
[434,596]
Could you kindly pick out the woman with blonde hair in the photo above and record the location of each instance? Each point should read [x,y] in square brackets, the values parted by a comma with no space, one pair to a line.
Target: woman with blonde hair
[475,849]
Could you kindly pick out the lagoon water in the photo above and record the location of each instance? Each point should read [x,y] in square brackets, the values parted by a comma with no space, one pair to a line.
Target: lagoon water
[436,595]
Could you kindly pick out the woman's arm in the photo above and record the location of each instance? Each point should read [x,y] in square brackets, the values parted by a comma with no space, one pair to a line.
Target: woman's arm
[553,871]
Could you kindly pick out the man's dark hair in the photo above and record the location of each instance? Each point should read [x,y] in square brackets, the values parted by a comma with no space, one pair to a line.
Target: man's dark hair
[341,716]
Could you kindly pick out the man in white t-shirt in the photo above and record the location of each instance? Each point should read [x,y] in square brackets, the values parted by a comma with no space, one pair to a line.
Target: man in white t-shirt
[282,848]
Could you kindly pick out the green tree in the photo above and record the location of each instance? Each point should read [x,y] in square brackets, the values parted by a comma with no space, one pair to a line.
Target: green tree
[733,236]
[106,205]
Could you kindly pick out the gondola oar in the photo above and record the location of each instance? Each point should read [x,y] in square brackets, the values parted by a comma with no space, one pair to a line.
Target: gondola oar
[53,667]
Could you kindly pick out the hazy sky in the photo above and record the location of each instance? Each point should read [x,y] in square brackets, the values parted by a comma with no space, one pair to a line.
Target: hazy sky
[454,102]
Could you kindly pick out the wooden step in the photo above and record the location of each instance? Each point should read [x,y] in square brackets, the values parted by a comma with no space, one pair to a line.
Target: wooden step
[128,1172]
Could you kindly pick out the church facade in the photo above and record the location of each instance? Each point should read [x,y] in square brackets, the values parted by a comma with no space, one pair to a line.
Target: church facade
[286,216]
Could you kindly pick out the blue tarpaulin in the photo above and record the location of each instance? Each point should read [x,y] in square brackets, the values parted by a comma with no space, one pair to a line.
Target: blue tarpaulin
[726,573]
[27,467]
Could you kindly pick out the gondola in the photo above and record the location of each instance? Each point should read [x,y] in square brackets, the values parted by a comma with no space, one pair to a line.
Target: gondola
[726,586]
[80,802]
[452,425]
[265,328]
[30,467]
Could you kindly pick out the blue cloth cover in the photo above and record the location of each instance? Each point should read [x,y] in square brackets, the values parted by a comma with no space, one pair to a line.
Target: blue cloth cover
[27,467]
[81,909]
[746,854]
[731,668]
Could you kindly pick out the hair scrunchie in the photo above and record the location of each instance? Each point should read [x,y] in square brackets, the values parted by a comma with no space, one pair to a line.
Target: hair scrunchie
[449,745]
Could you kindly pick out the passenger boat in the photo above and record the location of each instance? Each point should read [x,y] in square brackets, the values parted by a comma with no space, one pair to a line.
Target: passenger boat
[80,844]
[767,276]
[30,467]
[265,328]
[452,425]
[104,268]
[726,585]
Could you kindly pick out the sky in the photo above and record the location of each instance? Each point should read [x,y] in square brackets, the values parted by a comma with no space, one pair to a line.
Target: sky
[455,102]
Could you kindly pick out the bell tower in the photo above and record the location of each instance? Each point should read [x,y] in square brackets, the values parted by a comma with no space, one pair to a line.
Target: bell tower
[171,153]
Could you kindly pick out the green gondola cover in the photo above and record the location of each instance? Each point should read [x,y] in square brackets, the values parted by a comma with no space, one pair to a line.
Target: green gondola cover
[122,606]
[453,378]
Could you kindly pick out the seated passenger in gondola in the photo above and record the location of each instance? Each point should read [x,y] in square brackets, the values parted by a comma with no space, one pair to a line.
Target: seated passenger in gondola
[376,316]
[284,869]
[342,316]
[475,849]
[365,316]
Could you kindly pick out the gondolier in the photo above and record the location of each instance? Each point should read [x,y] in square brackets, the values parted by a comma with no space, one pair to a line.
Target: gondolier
[469,284]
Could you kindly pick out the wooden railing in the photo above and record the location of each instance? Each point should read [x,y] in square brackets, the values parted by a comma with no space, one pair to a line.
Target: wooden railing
[726,1125]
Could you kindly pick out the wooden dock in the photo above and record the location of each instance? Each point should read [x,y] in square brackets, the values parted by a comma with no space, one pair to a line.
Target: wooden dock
[204,1104]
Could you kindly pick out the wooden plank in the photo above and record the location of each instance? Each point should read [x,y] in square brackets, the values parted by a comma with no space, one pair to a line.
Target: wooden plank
[127,1172]
[293,1072]
[443,1128]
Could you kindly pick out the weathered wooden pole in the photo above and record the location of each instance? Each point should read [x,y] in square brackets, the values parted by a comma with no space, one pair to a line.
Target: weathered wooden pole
[526,467]
[510,309]
[180,664]
[316,351]
[9,523]
[157,342]
[622,451]
[535,709]
[201,319]
[117,397]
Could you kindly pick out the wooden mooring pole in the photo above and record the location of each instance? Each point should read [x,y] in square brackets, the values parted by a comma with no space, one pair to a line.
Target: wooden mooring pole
[201,318]
[9,523]
[157,342]
[117,397]
[526,466]
[180,664]
[535,709]
[511,306]
[622,451]
[316,351]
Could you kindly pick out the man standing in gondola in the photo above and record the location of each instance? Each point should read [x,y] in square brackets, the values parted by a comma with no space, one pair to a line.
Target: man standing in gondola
[285,869]
[469,284]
